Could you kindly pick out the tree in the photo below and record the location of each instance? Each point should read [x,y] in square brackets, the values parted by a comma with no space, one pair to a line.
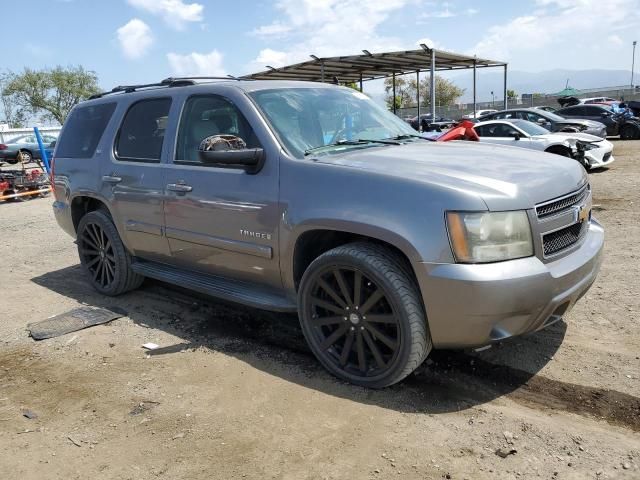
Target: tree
[52,92]
[10,113]
[404,95]
[447,92]
[511,94]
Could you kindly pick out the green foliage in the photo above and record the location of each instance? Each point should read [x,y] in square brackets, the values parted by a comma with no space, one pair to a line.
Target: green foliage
[10,113]
[51,92]
[447,92]
[353,85]
[403,92]
[511,94]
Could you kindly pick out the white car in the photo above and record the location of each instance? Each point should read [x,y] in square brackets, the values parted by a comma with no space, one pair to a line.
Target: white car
[522,133]
[479,113]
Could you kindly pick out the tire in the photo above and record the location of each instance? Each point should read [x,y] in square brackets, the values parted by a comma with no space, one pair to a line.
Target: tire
[375,340]
[103,256]
[26,156]
[629,132]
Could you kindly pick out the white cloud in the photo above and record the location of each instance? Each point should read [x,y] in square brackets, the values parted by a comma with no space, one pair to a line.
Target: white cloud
[615,40]
[135,38]
[561,33]
[273,58]
[327,28]
[275,29]
[443,10]
[175,13]
[197,64]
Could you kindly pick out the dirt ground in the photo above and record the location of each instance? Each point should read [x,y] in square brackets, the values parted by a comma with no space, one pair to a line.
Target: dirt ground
[234,392]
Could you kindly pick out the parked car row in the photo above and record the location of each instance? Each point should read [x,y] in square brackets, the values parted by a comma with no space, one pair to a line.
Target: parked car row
[550,120]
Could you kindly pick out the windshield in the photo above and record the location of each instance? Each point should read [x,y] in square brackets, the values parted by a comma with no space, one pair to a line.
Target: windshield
[552,116]
[531,128]
[305,119]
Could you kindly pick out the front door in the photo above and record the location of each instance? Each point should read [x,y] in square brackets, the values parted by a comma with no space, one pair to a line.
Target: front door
[503,134]
[221,221]
[133,181]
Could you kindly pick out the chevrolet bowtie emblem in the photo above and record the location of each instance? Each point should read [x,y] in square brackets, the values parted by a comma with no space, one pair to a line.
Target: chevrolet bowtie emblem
[583,213]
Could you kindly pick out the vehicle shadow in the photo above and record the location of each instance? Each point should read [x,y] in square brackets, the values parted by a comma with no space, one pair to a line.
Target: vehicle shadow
[273,342]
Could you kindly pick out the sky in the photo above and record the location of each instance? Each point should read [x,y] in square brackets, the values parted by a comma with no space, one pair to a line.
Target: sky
[143,41]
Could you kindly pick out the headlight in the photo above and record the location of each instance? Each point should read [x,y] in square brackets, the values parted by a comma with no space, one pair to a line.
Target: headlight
[588,146]
[480,237]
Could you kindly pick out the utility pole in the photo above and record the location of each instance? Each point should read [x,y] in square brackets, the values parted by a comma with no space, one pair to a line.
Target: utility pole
[633,61]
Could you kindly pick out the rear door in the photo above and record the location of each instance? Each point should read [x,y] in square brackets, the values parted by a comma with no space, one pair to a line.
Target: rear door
[222,221]
[132,179]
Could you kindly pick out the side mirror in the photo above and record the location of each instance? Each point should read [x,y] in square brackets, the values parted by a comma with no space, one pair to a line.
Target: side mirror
[52,144]
[229,151]
[516,136]
[542,121]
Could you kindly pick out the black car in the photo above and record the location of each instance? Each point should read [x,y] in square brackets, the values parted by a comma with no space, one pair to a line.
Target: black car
[616,124]
[428,123]
[551,121]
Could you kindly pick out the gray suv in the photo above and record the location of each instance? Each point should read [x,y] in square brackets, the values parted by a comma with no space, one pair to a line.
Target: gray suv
[311,198]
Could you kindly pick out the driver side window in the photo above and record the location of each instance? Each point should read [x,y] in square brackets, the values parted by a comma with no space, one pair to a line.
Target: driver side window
[497,130]
[207,115]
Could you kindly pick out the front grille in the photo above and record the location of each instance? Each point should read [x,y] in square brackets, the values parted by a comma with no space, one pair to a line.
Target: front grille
[559,240]
[559,205]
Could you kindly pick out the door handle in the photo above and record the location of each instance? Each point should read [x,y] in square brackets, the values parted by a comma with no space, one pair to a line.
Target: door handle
[111,179]
[179,187]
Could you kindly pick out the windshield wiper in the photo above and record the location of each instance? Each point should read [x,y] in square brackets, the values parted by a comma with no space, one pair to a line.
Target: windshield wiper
[407,136]
[341,143]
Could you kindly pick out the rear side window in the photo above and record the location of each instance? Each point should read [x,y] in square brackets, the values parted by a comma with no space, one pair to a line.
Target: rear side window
[83,130]
[142,131]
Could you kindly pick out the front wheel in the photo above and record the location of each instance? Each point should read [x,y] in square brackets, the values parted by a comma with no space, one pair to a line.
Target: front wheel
[103,256]
[362,315]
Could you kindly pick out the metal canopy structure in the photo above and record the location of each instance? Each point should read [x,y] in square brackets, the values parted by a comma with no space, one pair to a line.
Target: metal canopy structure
[372,66]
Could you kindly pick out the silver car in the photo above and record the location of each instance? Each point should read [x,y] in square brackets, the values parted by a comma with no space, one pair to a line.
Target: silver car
[311,198]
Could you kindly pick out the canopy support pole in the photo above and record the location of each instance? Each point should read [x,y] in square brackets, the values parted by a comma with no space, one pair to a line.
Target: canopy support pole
[505,86]
[360,83]
[418,98]
[475,79]
[393,87]
[433,86]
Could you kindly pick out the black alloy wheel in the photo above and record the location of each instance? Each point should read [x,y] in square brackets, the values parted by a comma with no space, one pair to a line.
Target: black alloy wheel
[97,255]
[103,256]
[362,316]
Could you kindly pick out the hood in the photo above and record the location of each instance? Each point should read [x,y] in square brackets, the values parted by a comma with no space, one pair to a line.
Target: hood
[585,137]
[505,178]
[591,124]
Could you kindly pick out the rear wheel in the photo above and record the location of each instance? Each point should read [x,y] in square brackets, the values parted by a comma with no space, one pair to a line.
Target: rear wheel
[104,257]
[629,132]
[362,315]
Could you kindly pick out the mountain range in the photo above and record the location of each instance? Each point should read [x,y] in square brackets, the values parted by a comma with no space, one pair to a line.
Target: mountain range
[549,81]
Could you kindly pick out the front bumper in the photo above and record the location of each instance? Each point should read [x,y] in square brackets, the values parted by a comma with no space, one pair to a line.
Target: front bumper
[475,305]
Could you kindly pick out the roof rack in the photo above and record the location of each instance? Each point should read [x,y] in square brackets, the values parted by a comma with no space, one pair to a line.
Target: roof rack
[167,82]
